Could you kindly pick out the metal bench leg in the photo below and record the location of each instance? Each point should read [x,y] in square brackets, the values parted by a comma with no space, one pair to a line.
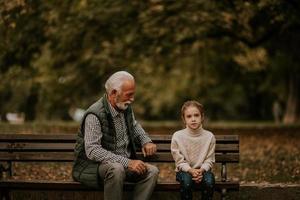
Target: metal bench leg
[223,179]
[223,194]
[10,169]
[6,169]
[4,195]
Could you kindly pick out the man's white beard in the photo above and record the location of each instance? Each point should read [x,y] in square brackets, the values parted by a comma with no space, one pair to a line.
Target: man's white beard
[123,105]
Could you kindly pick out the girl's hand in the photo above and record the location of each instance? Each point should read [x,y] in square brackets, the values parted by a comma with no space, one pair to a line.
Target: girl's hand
[197,174]
[193,172]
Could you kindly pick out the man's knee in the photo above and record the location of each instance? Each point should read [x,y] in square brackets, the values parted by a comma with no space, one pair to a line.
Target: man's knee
[153,170]
[115,171]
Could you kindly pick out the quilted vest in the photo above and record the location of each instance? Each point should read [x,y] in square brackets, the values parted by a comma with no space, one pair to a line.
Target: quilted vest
[86,170]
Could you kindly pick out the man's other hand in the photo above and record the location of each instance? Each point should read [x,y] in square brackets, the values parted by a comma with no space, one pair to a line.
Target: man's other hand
[149,149]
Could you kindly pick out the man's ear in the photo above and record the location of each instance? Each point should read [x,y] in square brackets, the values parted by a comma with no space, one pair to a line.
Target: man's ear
[113,92]
[112,95]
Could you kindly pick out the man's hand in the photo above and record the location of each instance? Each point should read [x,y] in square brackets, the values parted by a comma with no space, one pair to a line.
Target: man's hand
[197,174]
[137,166]
[149,149]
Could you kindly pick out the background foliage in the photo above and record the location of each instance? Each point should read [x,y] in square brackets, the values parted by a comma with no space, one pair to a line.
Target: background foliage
[236,57]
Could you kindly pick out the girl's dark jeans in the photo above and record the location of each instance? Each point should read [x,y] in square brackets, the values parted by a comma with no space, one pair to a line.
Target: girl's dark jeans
[187,185]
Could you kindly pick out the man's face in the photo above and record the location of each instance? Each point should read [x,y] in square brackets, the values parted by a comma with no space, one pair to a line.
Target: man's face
[125,96]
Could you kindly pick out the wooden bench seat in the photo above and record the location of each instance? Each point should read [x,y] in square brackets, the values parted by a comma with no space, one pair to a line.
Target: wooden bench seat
[59,148]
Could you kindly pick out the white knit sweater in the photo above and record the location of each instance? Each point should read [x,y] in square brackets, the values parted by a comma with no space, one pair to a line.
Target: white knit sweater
[193,149]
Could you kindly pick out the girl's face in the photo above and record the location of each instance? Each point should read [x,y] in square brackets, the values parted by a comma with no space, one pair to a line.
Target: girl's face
[192,117]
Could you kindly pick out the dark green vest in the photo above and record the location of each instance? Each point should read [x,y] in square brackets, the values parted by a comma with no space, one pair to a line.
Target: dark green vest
[84,169]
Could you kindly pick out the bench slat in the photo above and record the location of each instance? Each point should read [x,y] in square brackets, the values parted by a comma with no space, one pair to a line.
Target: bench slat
[72,137]
[22,146]
[69,156]
[219,147]
[37,137]
[167,157]
[219,138]
[72,185]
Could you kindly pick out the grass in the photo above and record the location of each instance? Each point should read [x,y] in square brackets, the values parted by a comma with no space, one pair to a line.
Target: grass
[270,158]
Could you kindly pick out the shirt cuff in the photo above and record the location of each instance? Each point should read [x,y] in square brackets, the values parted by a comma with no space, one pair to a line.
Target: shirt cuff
[185,167]
[124,161]
[145,141]
[206,167]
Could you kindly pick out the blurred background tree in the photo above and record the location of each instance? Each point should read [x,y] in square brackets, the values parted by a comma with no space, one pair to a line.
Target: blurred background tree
[236,57]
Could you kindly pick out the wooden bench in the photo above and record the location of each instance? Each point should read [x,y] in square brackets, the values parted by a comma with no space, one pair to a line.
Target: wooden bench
[59,148]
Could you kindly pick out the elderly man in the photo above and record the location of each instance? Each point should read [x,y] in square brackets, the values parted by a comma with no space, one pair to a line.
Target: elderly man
[106,143]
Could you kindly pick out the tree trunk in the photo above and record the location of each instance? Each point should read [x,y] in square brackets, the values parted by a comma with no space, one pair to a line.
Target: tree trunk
[291,111]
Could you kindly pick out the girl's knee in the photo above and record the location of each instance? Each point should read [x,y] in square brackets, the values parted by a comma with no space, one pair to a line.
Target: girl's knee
[208,180]
[185,180]
[187,185]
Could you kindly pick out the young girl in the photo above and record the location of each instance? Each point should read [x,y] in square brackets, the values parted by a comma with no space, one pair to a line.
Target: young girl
[193,150]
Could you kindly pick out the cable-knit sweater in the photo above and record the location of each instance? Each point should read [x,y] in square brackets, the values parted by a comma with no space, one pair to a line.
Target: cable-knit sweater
[193,149]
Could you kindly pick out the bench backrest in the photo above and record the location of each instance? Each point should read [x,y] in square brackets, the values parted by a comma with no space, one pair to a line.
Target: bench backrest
[59,148]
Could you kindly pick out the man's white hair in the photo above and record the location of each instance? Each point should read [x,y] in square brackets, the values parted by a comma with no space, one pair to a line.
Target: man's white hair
[115,81]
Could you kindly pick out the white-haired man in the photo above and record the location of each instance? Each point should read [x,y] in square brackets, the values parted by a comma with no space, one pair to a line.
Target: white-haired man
[106,144]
